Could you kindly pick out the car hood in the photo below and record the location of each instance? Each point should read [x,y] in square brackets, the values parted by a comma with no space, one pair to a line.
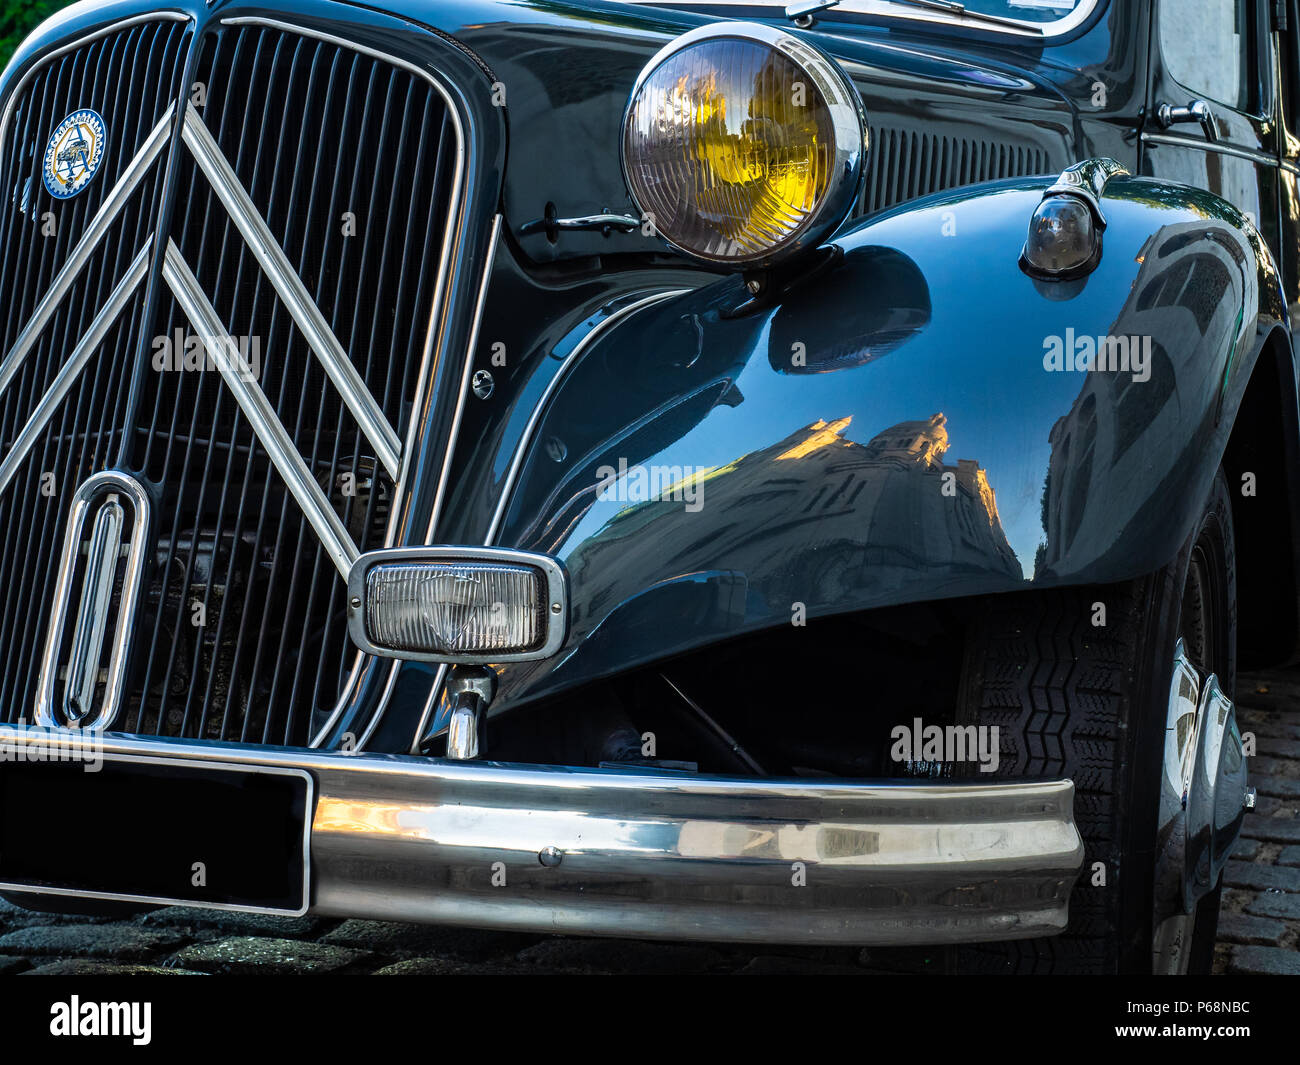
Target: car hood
[942,111]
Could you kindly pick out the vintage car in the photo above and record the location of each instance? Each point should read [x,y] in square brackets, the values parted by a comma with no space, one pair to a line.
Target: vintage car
[696,470]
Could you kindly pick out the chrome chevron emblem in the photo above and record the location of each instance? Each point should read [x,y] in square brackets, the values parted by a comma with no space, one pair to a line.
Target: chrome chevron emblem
[180,278]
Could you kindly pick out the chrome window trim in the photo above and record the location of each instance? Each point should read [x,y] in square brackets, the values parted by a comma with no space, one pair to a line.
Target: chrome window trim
[1031,31]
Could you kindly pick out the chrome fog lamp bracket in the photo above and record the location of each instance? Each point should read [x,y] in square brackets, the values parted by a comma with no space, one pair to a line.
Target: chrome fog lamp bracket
[449,604]
[1065,232]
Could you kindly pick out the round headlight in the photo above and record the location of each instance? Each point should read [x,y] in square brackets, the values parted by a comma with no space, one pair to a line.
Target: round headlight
[742,144]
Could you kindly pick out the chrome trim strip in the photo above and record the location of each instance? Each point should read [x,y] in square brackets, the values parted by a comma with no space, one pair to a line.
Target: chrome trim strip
[284,455]
[63,380]
[1017,29]
[119,482]
[516,465]
[1218,147]
[92,612]
[95,231]
[297,300]
[525,438]
[445,473]
[674,856]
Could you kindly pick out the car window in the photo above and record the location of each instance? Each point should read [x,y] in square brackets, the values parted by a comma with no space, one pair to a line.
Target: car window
[1289,42]
[1206,47]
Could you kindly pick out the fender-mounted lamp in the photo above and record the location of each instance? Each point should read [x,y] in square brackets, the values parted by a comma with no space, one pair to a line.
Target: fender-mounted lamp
[1064,241]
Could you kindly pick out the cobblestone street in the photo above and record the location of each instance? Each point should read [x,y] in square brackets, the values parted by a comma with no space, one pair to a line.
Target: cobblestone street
[1259,931]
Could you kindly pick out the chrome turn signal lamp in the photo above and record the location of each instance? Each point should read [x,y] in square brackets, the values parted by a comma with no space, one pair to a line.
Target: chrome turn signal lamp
[743,144]
[1064,241]
[457,605]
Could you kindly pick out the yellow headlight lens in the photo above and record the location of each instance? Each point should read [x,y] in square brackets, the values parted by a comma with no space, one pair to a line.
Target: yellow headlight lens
[735,149]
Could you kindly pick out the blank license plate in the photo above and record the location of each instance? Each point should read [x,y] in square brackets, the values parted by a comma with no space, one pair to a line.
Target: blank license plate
[160,831]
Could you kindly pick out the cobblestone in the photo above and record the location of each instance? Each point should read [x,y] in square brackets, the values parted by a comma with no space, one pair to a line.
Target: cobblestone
[125,942]
[276,957]
[1264,961]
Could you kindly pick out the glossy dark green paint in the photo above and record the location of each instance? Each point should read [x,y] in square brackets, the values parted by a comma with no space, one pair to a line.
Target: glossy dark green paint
[815,493]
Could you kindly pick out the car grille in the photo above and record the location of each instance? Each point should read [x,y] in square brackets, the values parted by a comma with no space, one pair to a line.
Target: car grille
[907,164]
[264,483]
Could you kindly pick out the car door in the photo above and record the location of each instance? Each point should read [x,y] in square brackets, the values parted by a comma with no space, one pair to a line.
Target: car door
[1210,114]
[1288,251]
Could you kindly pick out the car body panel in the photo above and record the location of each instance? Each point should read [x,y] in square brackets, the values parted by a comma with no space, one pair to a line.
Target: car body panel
[922,452]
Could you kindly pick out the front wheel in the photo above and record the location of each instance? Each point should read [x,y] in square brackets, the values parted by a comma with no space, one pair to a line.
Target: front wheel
[1080,684]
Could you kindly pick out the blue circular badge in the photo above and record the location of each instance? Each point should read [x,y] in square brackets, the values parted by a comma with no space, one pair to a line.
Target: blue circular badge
[74,153]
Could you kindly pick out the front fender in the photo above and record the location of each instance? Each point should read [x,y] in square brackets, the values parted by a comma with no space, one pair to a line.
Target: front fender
[900,429]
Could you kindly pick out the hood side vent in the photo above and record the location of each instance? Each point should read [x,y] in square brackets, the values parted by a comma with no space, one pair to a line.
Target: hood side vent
[905,165]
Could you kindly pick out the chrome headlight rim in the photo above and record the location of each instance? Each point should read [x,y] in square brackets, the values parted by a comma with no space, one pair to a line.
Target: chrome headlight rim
[848,120]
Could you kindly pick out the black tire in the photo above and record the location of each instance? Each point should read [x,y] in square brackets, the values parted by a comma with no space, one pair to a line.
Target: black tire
[1089,702]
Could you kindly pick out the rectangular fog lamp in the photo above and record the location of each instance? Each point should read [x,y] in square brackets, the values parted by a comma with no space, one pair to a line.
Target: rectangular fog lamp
[457,605]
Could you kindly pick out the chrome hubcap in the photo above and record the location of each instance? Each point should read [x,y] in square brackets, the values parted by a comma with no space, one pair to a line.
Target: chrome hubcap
[1203,799]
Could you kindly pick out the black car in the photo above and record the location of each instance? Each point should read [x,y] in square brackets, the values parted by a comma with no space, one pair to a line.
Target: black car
[688,470]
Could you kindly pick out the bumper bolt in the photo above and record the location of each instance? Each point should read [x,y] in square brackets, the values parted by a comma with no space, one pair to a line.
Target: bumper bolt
[550,856]
[1250,799]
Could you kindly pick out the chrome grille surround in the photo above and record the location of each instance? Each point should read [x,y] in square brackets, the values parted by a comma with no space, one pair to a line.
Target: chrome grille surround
[370,413]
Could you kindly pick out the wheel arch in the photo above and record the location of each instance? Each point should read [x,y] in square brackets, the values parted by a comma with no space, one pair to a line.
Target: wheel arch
[1265,443]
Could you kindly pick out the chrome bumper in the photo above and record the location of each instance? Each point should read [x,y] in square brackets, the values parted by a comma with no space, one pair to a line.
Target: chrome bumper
[651,855]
